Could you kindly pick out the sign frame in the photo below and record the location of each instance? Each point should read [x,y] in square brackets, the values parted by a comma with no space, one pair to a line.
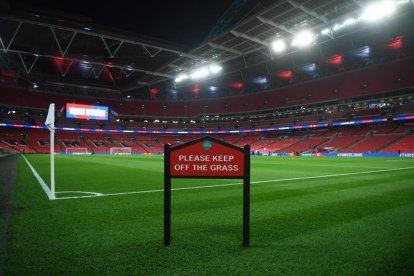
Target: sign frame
[246,184]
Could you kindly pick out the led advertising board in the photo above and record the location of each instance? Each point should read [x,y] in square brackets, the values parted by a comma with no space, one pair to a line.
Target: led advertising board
[87,112]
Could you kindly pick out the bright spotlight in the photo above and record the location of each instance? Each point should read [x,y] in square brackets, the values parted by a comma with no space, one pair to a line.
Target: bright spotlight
[260,80]
[200,73]
[325,31]
[378,10]
[215,69]
[213,88]
[363,52]
[349,21]
[303,39]
[309,67]
[181,77]
[278,46]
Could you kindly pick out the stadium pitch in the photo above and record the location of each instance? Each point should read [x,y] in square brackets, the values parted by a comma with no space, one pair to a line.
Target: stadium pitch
[308,216]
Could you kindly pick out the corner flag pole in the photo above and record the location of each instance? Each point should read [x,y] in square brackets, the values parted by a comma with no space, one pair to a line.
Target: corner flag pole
[50,123]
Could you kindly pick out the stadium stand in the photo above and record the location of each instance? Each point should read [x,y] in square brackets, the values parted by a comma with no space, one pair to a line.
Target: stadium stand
[304,145]
[348,85]
[404,144]
[380,138]
[340,142]
[371,143]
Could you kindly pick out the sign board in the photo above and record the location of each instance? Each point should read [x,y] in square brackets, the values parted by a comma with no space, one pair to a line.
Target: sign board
[206,157]
[87,112]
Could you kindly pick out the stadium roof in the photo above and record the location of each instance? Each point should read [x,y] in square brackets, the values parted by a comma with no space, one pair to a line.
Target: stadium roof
[74,52]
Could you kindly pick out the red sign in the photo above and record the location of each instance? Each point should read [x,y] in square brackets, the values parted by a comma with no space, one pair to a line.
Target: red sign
[207,157]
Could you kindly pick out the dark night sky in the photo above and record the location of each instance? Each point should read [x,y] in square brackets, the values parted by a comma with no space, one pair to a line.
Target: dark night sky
[185,22]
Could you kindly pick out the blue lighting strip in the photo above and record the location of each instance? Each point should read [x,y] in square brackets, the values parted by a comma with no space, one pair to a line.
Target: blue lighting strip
[359,122]
[95,130]
[402,118]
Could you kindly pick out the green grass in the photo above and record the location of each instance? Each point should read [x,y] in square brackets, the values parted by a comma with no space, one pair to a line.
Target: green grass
[361,223]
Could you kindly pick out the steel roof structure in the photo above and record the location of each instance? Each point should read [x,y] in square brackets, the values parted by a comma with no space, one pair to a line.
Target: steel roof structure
[67,52]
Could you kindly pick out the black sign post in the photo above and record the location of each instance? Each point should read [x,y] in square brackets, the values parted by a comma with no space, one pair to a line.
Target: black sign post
[216,155]
[246,197]
[167,196]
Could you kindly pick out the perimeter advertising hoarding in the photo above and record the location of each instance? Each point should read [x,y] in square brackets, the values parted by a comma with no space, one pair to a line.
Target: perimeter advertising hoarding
[87,112]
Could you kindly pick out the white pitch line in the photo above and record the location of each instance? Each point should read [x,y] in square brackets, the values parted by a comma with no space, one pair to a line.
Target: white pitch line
[39,179]
[79,192]
[360,167]
[331,175]
[239,183]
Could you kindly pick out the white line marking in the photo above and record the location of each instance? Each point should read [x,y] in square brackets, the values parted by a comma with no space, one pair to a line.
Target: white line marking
[39,179]
[79,192]
[331,175]
[361,167]
[332,166]
[240,183]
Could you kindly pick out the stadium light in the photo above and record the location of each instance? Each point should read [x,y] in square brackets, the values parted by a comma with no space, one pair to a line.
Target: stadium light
[181,77]
[213,88]
[200,73]
[373,12]
[278,46]
[326,31]
[303,39]
[215,69]
[173,91]
[378,10]
[363,51]
[309,67]
[349,21]
[260,80]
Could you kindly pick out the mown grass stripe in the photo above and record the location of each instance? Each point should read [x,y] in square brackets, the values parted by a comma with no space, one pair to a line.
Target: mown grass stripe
[236,184]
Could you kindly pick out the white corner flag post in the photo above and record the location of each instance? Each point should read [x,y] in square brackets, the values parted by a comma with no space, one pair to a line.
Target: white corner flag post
[50,123]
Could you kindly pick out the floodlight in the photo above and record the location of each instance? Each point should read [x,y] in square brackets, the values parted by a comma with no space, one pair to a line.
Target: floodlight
[303,39]
[349,21]
[213,88]
[215,69]
[260,80]
[309,67]
[363,52]
[278,46]
[378,10]
[325,31]
[402,2]
[181,77]
[336,27]
[173,91]
[200,73]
